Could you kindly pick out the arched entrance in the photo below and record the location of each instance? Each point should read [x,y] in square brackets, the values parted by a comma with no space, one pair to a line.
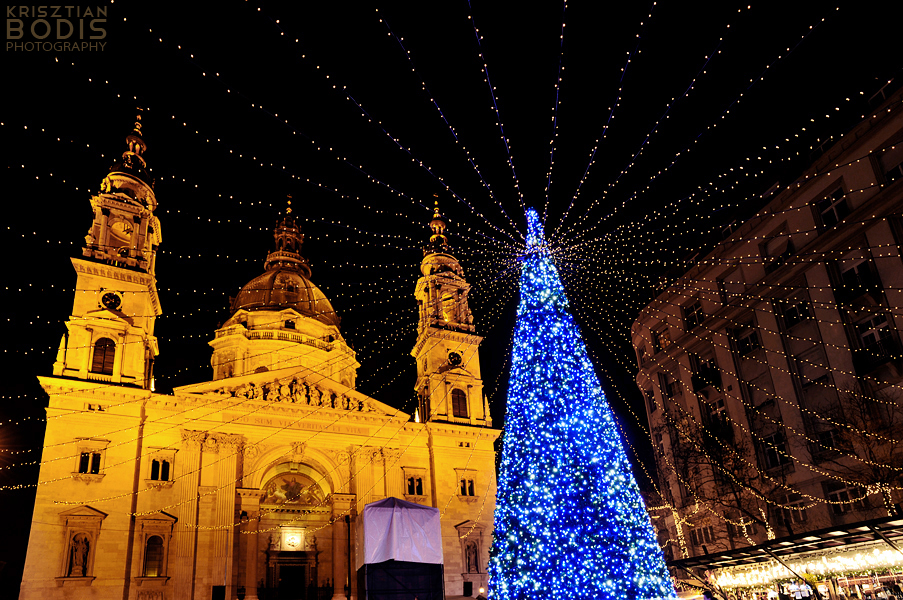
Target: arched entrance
[296,502]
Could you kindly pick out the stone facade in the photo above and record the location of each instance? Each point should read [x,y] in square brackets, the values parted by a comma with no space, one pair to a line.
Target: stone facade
[248,485]
[767,341]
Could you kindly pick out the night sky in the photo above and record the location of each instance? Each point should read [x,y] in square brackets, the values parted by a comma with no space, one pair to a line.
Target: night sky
[336,105]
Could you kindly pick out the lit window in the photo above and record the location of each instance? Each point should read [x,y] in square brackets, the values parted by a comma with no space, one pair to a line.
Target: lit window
[662,339]
[833,208]
[104,353]
[459,403]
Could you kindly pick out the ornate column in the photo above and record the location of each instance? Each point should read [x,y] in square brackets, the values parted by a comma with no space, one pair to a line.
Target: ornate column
[342,505]
[250,514]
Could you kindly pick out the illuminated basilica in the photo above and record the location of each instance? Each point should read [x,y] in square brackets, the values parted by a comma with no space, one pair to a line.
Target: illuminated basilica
[248,485]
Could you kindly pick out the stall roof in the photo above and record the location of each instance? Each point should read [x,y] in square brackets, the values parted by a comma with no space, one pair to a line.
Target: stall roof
[875,530]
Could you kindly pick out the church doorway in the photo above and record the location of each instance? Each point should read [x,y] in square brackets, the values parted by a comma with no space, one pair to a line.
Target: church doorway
[292,575]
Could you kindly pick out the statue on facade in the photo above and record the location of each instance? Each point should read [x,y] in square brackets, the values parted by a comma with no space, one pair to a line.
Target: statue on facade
[78,556]
[470,555]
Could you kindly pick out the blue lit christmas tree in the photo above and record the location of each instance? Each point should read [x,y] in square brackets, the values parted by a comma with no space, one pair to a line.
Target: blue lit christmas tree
[569,519]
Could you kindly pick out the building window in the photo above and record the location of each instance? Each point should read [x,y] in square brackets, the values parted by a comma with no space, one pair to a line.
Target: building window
[160,464]
[833,208]
[705,372]
[857,275]
[661,339]
[660,443]
[104,353]
[702,535]
[774,450]
[459,403]
[289,324]
[641,355]
[844,497]
[791,511]
[159,470]
[153,556]
[89,462]
[894,173]
[466,479]
[717,412]
[415,486]
[670,387]
[650,400]
[794,312]
[693,315]
[747,342]
[777,248]
[877,343]
[736,531]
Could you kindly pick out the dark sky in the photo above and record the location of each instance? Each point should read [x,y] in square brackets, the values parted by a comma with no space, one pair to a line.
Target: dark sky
[239,114]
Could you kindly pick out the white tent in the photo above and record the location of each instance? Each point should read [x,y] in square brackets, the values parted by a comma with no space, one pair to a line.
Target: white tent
[394,529]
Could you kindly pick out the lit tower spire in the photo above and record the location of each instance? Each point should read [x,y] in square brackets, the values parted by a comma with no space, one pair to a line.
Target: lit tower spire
[569,519]
[447,349]
[110,333]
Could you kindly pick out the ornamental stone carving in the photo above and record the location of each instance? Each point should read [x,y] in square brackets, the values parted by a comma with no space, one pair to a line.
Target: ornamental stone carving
[211,442]
[296,391]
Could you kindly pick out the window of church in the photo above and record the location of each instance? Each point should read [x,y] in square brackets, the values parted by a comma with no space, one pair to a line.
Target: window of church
[160,463]
[159,470]
[459,403]
[104,353]
[415,486]
[89,461]
[414,483]
[153,556]
[467,487]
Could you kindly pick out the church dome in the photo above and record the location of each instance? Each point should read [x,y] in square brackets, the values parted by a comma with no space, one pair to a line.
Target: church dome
[286,287]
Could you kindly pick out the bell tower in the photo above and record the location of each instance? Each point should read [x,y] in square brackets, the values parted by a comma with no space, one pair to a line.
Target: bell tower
[447,352]
[110,332]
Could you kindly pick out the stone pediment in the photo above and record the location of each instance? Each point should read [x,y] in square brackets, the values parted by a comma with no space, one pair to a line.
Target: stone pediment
[292,385]
[83,511]
[157,516]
